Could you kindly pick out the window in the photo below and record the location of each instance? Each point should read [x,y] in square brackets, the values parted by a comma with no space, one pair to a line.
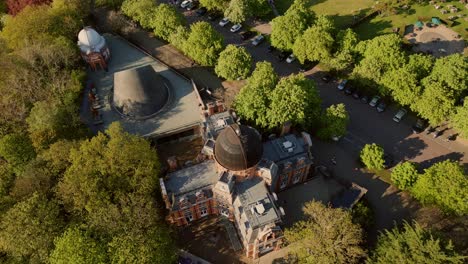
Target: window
[284,181]
[224,211]
[188,216]
[297,176]
[203,211]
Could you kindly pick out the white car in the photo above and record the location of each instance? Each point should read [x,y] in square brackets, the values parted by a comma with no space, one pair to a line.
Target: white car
[236,28]
[342,84]
[291,58]
[258,39]
[224,21]
[185,3]
[399,115]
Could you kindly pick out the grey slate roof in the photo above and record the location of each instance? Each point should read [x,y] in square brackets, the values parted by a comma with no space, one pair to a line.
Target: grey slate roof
[191,178]
[252,191]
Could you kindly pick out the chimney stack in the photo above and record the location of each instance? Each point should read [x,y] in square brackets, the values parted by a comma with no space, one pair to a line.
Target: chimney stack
[220,106]
[211,108]
[172,161]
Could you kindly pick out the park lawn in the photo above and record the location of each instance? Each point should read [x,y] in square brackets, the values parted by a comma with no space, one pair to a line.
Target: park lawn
[381,25]
[341,10]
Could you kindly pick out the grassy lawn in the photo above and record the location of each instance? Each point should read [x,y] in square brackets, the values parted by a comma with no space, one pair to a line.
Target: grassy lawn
[380,25]
[341,10]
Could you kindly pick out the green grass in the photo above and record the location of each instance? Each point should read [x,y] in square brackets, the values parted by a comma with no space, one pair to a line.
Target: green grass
[381,25]
[341,10]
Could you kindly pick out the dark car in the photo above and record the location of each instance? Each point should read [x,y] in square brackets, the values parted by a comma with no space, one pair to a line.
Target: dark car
[192,5]
[213,16]
[349,90]
[365,99]
[283,55]
[326,78]
[419,126]
[201,11]
[357,94]
[381,107]
[246,35]
[271,49]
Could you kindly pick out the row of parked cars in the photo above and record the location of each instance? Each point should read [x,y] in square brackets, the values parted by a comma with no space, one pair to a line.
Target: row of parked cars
[375,101]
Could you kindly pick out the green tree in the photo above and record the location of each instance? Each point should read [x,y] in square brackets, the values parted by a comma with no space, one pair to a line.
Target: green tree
[334,122]
[372,155]
[346,40]
[363,215]
[294,99]
[412,244]
[17,150]
[27,230]
[6,179]
[314,45]
[327,235]
[36,177]
[179,37]
[444,184]
[204,44]
[76,246]
[57,156]
[152,246]
[403,85]
[460,119]
[451,72]
[142,11]
[233,63]
[404,175]
[238,10]
[104,172]
[214,5]
[325,24]
[437,102]
[253,101]
[420,64]
[166,20]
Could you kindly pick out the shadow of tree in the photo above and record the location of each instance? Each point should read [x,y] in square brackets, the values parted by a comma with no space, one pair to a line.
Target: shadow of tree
[454,156]
[410,147]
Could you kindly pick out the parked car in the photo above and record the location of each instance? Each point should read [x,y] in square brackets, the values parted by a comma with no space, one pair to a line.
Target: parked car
[246,35]
[399,115]
[419,126]
[349,90]
[257,40]
[357,94]
[213,16]
[326,78]
[342,84]
[291,58]
[374,101]
[271,49]
[283,55]
[185,3]
[364,99]
[201,11]
[192,5]
[236,28]
[381,107]
[224,21]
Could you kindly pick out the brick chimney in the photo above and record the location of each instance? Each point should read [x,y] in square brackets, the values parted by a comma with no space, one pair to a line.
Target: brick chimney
[220,106]
[172,162]
[211,108]
[286,128]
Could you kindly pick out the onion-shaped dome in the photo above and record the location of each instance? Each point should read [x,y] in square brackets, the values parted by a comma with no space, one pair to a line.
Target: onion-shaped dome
[238,147]
[140,92]
[90,41]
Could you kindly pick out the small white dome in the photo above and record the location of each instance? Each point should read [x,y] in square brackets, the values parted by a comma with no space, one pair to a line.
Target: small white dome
[89,37]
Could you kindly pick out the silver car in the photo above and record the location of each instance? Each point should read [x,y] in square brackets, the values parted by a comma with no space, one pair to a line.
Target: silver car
[374,101]
[399,115]
[257,40]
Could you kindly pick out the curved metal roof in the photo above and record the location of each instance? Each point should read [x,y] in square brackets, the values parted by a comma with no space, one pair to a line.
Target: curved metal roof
[238,147]
[140,92]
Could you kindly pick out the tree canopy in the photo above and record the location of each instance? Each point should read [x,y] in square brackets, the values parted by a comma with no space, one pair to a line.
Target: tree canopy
[412,244]
[233,63]
[15,6]
[165,20]
[444,184]
[314,45]
[334,122]
[203,43]
[460,119]
[142,11]
[296,99]
[218,5]
[238,10]
[27,230]
[76,246]
[253,100]
[17,150]
[327,235]
[372,155]
[404,175]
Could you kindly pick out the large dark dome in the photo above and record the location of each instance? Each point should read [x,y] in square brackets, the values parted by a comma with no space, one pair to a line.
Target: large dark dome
[238,147]
[140,92]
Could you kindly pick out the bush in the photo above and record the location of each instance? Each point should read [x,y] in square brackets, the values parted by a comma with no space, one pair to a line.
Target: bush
[404,175]
[372,155]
